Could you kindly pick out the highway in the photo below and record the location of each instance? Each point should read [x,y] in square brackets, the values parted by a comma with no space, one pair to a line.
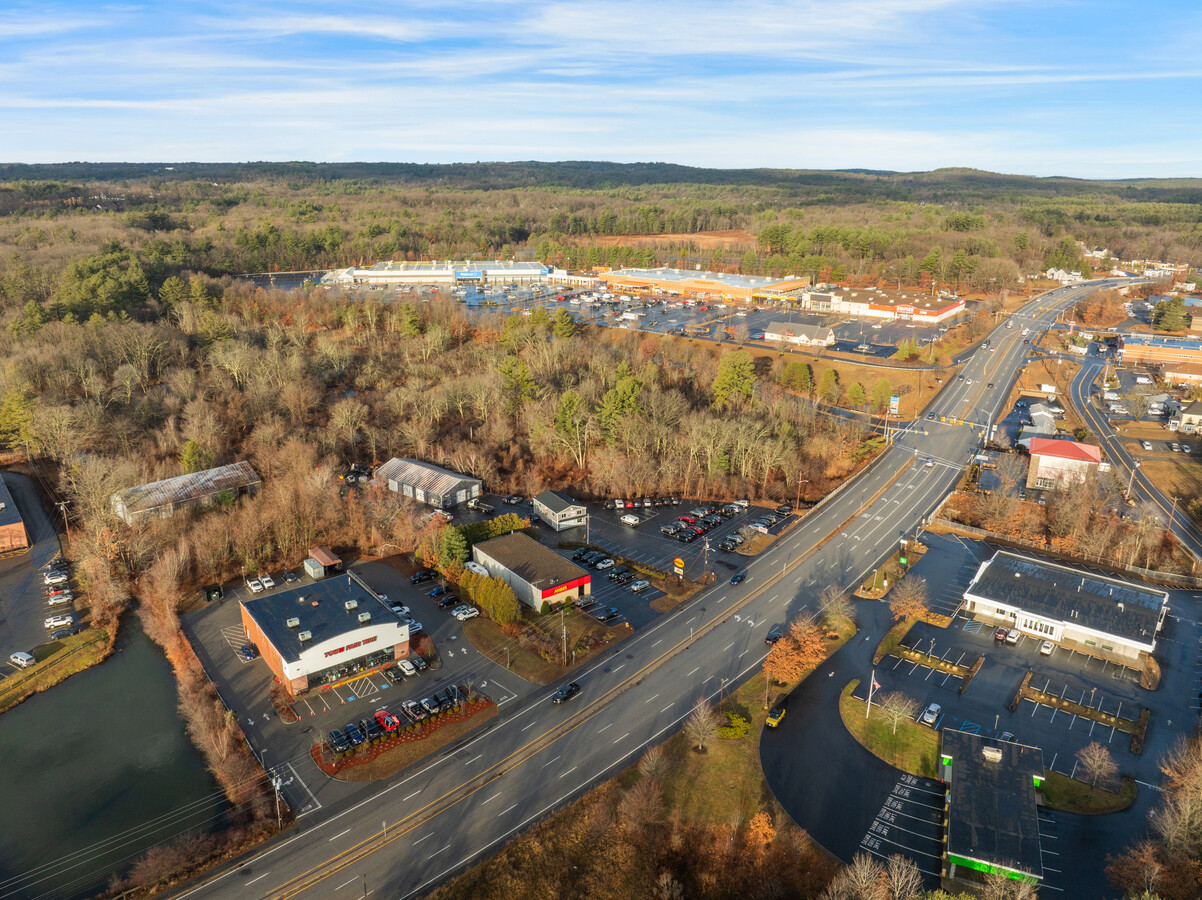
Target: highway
[412,834]
[1123,464]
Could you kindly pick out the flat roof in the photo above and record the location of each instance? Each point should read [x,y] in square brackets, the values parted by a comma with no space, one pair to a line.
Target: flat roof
[993,816]
[1104,604]
[880,297]
[531,561]
[729,279]
[9,515]
[320,607]
[1151,340]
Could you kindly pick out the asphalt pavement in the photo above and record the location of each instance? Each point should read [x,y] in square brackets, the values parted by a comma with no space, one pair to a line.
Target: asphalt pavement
[466,802]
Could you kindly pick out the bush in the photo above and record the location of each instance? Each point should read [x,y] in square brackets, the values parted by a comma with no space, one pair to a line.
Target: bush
[735,727]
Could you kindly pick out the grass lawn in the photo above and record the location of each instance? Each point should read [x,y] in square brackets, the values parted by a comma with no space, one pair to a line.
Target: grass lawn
[914,749]
[1061,792]
[56,661]
[726,781]
[404,755]
[586,636]
[1180,477]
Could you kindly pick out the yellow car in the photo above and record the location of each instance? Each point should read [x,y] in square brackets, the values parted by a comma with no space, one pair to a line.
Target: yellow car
[775,716]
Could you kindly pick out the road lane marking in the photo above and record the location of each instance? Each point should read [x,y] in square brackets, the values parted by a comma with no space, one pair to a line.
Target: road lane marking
[473,759]
[491,799]
[692,672]
[531,725]
[569,771]
[652,697]
[420,839]
[618,669]
[515,806]
[338,835]
[668,707]
[436,852]
[345,883]
[548,762]
[623,737]
[253,880]
[607,726]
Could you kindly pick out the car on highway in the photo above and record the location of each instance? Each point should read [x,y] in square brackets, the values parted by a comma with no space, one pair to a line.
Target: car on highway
[774,717]
[1046,648]
[775,634]
[566,693]
[930,716]
[738,578]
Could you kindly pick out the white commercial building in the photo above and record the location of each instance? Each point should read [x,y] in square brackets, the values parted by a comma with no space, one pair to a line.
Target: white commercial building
[447,272]
[1103,617]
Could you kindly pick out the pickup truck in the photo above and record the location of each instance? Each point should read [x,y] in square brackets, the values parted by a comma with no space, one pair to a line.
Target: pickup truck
[478,506]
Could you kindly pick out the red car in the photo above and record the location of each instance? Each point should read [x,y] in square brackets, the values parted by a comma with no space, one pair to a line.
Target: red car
[689,519]
[387,720]
[58,589]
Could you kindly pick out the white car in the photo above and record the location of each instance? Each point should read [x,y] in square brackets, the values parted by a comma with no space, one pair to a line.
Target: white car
[256,586]
[407,668]
[606,563]
[414,627]
[470,613]
[931,714]
[267,581]
[55,578]
[60,598]
[1046,648]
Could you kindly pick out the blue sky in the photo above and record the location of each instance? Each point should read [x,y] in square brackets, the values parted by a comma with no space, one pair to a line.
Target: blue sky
[1103,89]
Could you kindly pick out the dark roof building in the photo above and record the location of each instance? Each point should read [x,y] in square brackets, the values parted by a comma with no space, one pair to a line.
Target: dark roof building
[1105,617]
[428,483]
[993,815]
[559,510]
[536,573]
[162,499]
[323,631]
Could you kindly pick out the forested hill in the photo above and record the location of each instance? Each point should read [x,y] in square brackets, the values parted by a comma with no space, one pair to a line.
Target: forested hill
[835,185]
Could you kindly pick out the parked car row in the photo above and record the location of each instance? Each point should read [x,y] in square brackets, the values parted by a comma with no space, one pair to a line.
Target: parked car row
[383,722]
[406,668]
[56,576]
[642,503]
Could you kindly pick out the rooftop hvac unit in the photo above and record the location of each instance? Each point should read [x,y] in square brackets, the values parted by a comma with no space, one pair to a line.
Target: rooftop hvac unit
[351,605]
[305,636]
[364,618]
[992,754]
[294,622]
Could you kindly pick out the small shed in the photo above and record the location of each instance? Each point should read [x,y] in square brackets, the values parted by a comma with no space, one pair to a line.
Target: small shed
[322,562]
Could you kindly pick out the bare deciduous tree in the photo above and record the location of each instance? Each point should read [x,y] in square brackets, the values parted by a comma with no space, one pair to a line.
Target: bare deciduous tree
[908,599]
[834,605]
[896,707]
[702,725]
[1096,763]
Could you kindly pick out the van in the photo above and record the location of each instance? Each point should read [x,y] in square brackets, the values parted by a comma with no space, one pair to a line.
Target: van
[59,621]
[22,659]
[630,520]
[1110,395]
[476,568]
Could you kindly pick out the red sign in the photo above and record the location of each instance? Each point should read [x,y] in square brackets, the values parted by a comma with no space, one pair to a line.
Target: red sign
[566,586]
[329,653]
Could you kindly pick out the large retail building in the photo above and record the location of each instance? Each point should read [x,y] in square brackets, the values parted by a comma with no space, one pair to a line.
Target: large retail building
[445,272]
[713,284]
[323,631]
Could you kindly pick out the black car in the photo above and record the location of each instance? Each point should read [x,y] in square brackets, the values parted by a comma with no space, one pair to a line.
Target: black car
[728,546]
[447,601]
[784,509]
[581,554]
[775,634]
[248,652]
[419,577]
[418,662]
[395,675]
[618,573]
[625,577]
[566,693]
[337,740]
[371,728]
[610,612]
[353,734]
[63,633]
[686,537]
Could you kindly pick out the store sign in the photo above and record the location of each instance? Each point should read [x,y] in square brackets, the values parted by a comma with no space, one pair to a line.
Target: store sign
[894,405]
[357,644]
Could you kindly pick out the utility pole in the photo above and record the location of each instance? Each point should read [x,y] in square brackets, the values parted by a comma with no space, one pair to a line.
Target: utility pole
[62,508]
[564,627]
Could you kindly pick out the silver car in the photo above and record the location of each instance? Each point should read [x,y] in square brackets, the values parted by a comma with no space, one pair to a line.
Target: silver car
[931,714]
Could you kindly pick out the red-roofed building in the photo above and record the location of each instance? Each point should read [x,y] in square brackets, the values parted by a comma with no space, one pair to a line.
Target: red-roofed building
[1055,463]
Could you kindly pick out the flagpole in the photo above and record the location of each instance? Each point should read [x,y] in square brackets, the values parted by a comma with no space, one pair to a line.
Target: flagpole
[871,685]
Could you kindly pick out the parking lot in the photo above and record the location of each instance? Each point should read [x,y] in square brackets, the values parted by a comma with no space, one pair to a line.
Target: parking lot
[910,822]
[24,604]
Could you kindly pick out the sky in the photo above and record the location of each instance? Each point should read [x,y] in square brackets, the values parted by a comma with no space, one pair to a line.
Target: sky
[1085,88]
